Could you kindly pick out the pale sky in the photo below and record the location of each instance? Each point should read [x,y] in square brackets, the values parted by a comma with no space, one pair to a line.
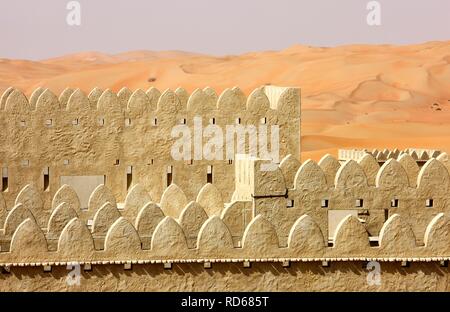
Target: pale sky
[38,29]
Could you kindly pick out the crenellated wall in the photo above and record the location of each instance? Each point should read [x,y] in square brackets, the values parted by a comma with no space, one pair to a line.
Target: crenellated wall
[284,218]
[420,155]
[126,137]
[328,191]
[317,222]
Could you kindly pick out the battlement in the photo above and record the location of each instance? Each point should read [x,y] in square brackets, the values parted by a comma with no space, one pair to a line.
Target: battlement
[282,99]
[127,138]
[420,155]
[394,213]
[91,180]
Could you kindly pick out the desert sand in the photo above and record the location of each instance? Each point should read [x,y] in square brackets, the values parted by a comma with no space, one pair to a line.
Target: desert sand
[360,96]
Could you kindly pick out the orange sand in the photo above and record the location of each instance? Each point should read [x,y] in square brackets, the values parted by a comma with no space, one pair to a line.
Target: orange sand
[352,96]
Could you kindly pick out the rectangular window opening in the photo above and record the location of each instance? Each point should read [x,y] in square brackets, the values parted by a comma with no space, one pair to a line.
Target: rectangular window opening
[359,203]
[129,177]
[394,203]
[324,203]
[209,174]
[46,179]
[289,203]
[169,175]
[429,203]
[4,179]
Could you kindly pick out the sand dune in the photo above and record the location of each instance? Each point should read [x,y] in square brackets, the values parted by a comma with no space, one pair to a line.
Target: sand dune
[352,96]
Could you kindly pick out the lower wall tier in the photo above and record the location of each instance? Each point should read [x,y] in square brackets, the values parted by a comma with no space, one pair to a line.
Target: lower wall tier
[312,276]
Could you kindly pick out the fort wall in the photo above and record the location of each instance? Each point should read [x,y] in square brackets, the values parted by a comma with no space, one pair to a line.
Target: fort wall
[258,229]
[395,219]
[126,138]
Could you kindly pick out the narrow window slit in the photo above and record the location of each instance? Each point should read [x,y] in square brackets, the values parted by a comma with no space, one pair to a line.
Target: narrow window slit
[129,177]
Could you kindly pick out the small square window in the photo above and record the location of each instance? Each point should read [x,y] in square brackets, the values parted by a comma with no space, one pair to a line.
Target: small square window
[127,122]
[238,121]
[23,123]
[49,122]
[230,161]
[117,162]
[263,120]
[154,122]
[212,121]
[359,203]
[289,203]
[183,121]
[101,121]
[75,122]
[324,203]
[25,163]
[167,265]
[394,203]
[429,203]
[189,162]
[90,222]
[207,265]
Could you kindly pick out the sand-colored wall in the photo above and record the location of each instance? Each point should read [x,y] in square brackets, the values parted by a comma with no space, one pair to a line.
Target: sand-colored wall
[277,216]
[261,229]
[399,186]
[108,134]
[348,276]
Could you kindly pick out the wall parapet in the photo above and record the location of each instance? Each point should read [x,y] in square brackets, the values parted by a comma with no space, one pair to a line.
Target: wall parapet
[420,155]
[131,132]
[255,229]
